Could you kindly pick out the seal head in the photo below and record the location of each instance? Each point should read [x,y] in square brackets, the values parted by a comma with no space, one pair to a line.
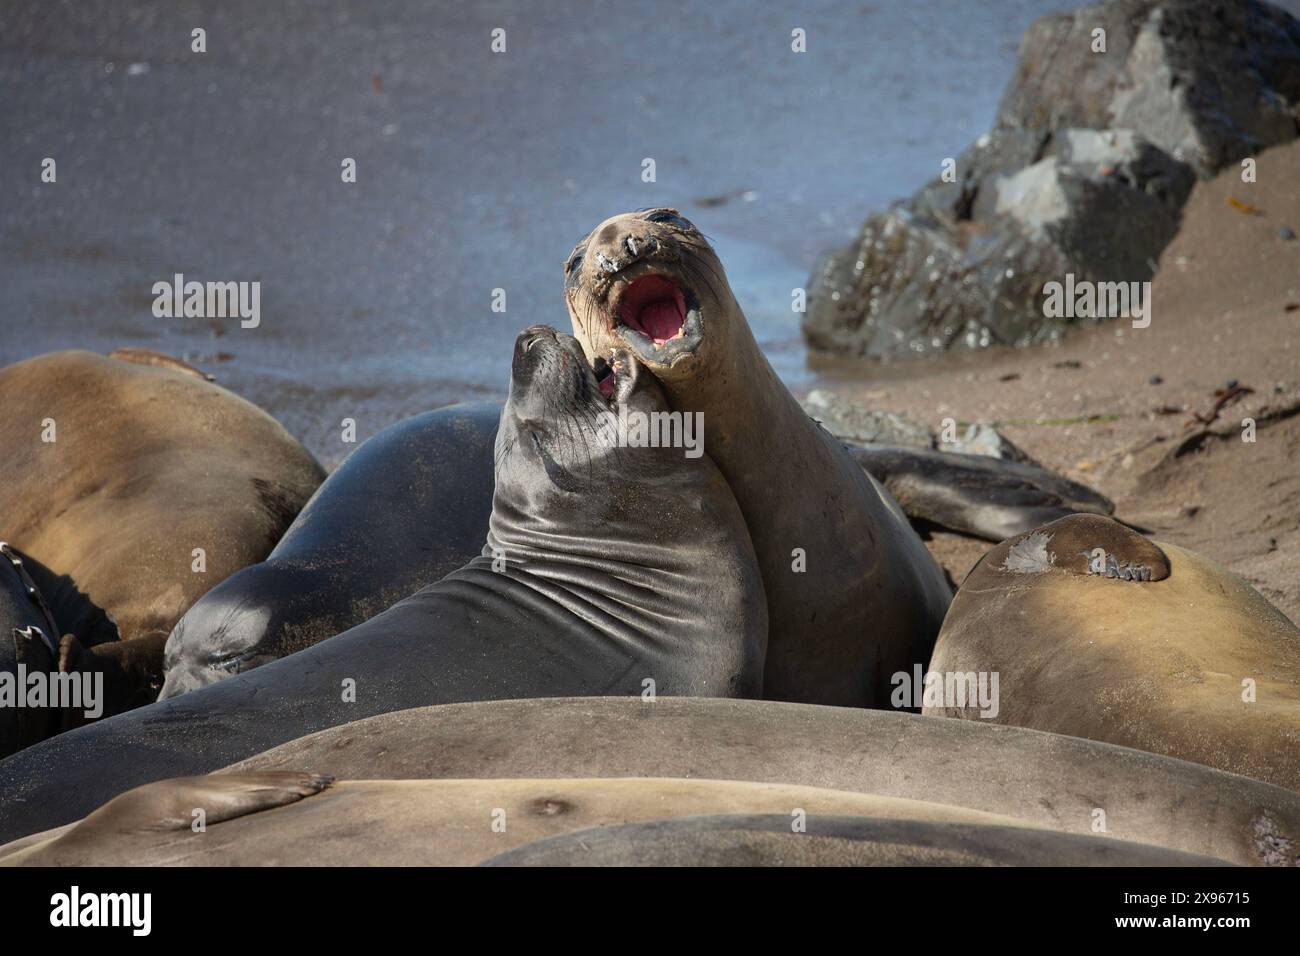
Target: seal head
[649,282]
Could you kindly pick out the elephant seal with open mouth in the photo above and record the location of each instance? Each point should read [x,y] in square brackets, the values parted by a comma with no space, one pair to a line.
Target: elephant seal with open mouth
[853,595]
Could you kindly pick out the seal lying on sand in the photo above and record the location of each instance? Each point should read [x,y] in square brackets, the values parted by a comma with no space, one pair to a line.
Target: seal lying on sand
[1063,783]
[975,495]
[853,596]
[256,818]
[410,822]
[759,839]
[1034,778]
[1099,633]
[607,570]
[113,474]
[407,507]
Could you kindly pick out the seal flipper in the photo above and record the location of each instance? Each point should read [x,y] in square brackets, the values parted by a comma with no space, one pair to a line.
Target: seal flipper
[972,494]
[132,673]
[169,806]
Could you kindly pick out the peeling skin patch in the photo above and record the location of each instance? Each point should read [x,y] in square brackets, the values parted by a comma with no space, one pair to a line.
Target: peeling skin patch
[1273,847]
[1029,555]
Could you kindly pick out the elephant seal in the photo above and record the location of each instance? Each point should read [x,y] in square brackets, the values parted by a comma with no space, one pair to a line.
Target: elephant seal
[1063,783]
[423,487]
[406,508]
[759,839]
[975,495]
[413,822]
[114,473]
[607,570]
[28,637]
[853,595]
[1097,632]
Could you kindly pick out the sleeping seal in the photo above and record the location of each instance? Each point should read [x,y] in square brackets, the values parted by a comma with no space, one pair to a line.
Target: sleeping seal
[131,489]
[410,822]
[1097,632]
[1040,779]
[407,507]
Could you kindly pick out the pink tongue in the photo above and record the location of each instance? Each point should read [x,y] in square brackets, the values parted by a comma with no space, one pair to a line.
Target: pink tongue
[661,320]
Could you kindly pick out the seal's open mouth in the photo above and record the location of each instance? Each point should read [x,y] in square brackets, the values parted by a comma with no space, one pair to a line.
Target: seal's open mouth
[605,378]
[654,307]
[657,318]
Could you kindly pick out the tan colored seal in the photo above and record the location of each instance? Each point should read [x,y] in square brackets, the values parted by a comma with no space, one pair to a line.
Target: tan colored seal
[257,818]
[1096,632]
[1045,779]
[114,472]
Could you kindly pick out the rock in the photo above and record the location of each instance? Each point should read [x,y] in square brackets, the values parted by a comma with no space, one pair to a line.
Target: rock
[1207,81]
[1100,205]
[846,420]
[1086,173]
[984,439]
[854,423]
[1000,152]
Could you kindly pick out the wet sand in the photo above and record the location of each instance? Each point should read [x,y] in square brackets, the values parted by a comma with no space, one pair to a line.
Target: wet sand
[476,170]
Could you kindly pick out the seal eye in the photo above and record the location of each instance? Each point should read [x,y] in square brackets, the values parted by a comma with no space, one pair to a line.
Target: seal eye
[574,261]
[668,216]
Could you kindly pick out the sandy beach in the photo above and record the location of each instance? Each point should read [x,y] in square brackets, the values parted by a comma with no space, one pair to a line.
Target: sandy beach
[1226,308]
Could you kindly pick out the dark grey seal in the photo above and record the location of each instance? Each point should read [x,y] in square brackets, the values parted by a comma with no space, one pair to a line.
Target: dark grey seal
[28,637]
[608,570]
[974,495]
[406,508]
[767,839]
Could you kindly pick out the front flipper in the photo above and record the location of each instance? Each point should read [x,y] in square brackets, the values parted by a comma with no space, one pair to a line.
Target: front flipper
[129,673]
[975,495]
[122,825]
[170,804]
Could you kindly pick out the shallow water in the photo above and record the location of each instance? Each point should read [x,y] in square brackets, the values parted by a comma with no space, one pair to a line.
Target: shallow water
[476,170]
